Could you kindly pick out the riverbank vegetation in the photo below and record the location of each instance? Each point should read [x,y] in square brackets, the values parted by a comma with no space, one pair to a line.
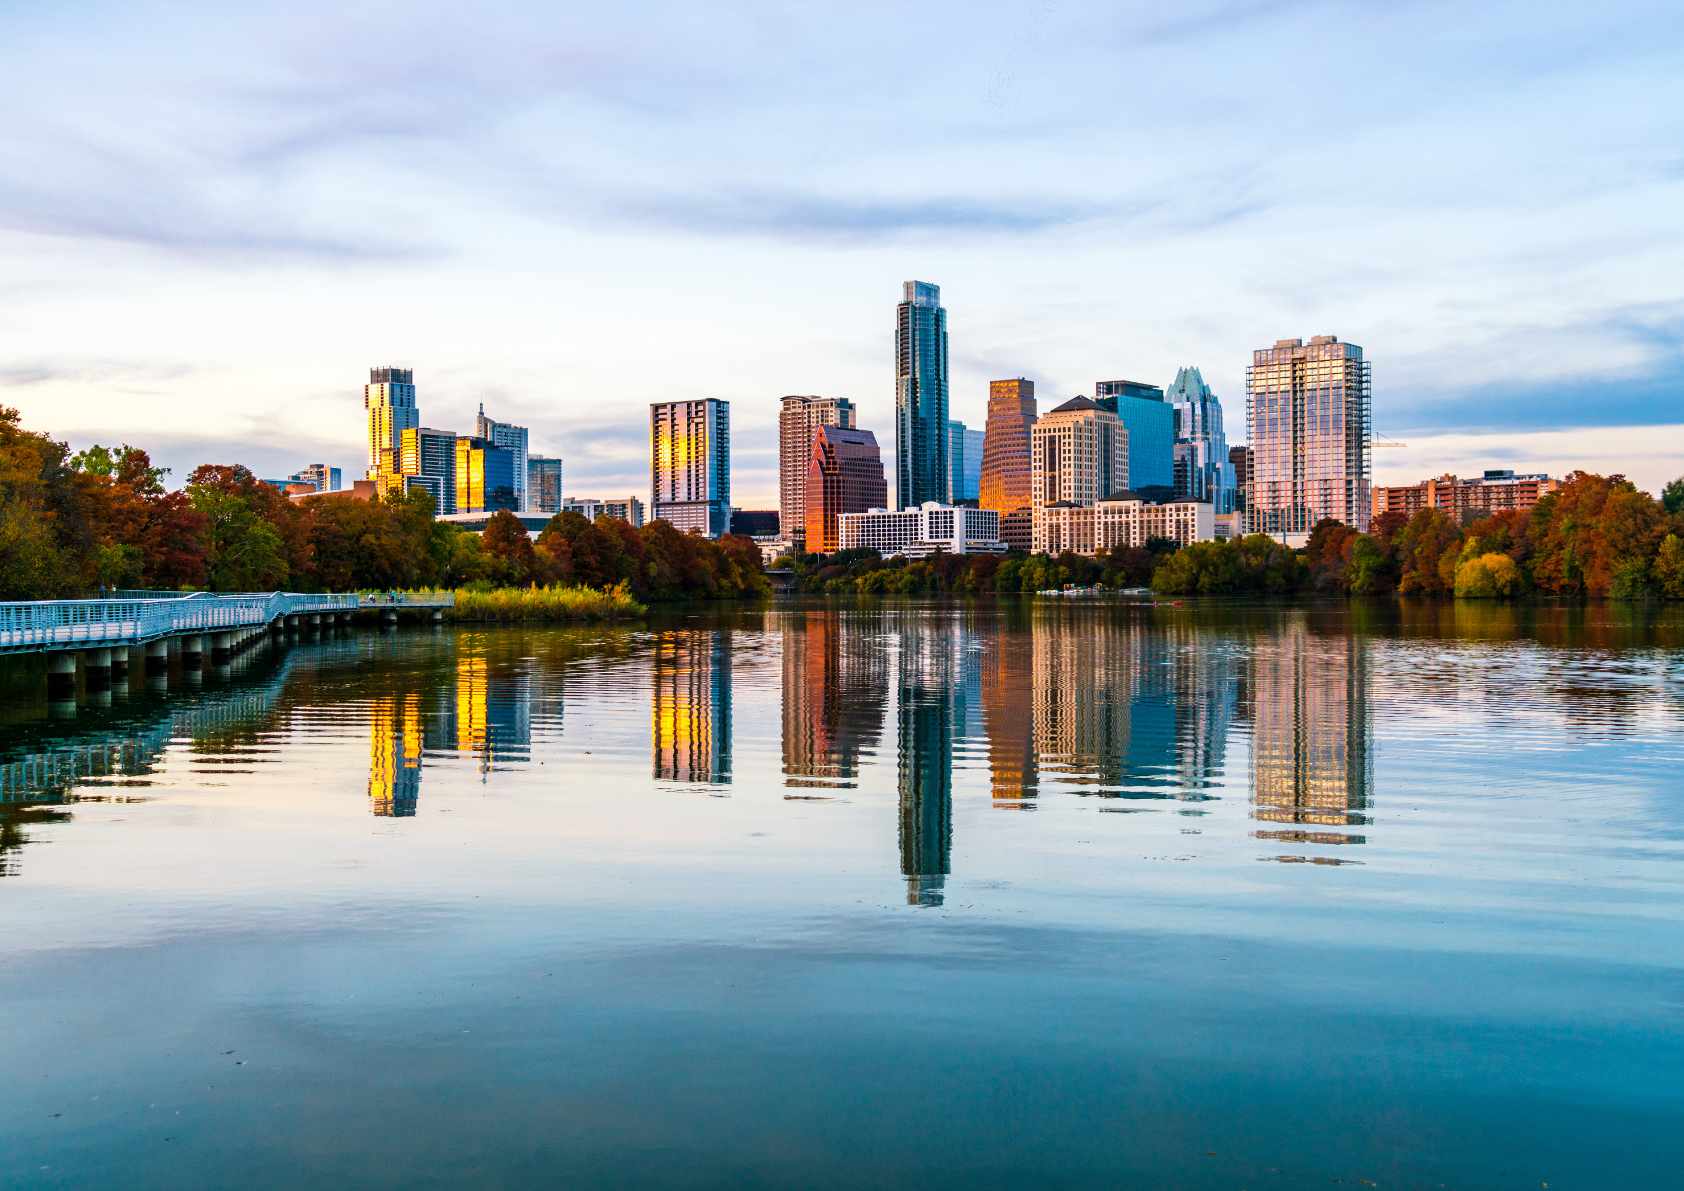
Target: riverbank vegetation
[519,605]
[1595,537]
[71,525]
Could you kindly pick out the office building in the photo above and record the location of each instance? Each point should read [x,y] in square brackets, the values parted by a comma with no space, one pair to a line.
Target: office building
[1150,422]
[1460,499]
[427,459]
[690,465]
[512,439]
[1122,520]
[931,528]
[844,475]
[1203,470]
[389,398]
[964,463]
[1078,456]
[485,477]
[320,477]
[1004,485]
[1308,422]
[798,420]
[629,510]
[755,523]
[543,484]
[920,396]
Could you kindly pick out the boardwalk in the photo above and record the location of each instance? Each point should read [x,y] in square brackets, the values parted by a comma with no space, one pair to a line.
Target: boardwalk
[136,618]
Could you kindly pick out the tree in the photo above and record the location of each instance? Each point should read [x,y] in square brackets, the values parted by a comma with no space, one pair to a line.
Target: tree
[1672,497]
[1487,576]
[508,550]
[145,536]
[46,550]
[247,551]
[1427,550]
[1669,567]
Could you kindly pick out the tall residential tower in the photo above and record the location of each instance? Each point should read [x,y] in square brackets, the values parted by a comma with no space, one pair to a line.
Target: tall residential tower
[511,438]
[799,419]
[920,396]
[389,398]
[1308,418]
[1203,470]
[690,464]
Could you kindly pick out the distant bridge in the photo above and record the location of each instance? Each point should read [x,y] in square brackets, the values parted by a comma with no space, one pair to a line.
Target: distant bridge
[103,631]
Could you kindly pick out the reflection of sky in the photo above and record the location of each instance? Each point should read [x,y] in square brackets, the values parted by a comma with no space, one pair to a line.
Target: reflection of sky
[564,922]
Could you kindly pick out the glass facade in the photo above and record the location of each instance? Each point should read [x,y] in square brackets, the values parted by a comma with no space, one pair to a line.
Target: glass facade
[799,418]
[513,439]
[1203,470]
[543,484]
[844,475]
[690,464]
[1151,426]
[921,469]
[389,398]
[1308,410]
[485,477]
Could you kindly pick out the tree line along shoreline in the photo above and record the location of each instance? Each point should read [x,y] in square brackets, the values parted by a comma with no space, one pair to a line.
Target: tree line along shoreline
[74,524]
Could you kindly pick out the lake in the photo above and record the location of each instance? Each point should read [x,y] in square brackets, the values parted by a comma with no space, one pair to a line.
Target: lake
[1063,893]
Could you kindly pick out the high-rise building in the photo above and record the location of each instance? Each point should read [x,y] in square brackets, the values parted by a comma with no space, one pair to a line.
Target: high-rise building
[1240,457]
[920,396]
[389,398]
[1495,491]
[485,477]
[964,462]
[1202,468]
[591,508]
[431,455]
[690,464]
[798,420]
[1005,480]
[1079,455]
[513,439]
[319,476]
[1150,422]
[1308,411]
[543,484]
[844,475]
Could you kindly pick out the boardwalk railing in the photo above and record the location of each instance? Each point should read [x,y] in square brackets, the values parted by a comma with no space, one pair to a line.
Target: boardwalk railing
[89,624]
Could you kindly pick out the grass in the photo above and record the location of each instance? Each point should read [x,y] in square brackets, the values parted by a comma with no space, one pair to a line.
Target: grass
[511,605]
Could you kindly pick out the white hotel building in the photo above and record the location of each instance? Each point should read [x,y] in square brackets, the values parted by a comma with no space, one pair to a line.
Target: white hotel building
[930,528]
[1124,520]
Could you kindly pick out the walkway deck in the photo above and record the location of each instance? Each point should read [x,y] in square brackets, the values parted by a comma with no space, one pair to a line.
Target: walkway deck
[134,618]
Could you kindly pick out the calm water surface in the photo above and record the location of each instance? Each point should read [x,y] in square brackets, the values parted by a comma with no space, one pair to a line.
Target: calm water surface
[912,894]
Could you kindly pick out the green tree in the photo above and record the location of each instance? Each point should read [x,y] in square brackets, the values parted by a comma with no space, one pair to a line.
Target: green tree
[1669,567]
[1672,497]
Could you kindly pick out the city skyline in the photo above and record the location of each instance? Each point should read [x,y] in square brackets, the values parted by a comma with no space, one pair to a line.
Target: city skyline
[152,270]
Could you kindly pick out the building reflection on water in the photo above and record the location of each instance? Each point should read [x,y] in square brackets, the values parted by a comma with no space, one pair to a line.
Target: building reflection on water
[1311,732]
[394,755]
[928,710]
[690,709]
[835,684]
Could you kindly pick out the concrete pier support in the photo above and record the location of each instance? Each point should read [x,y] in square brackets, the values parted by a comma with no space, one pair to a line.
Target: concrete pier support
[61,678]
[119,665]
[96,669]
[192,651]
[390,616]
[438,615]
[222,648]
[157,658]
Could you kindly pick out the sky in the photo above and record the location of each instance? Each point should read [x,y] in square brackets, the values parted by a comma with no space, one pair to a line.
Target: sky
[214,219]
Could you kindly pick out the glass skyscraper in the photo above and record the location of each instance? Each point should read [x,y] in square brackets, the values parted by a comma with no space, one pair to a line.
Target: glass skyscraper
[485,477]
[1307,410]
[513,439]
[1151,426]
[543,484]
[389,398]
[1203,470]
[921,472]
[690,464]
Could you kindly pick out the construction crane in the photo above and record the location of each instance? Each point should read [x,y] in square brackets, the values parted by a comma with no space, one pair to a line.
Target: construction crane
[1390,444]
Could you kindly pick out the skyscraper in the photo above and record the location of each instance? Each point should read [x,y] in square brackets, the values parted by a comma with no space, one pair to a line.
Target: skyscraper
[431,455]
[920,396]
[1151,426]
[798,419]
[964,462]
[389,398]
[973,464]
[1004,483]
[844,475]
[1202,468]
[543,484]
[690,464]
[512,438]
[1079,455]
[1308,410]
[485,477]
[320,475]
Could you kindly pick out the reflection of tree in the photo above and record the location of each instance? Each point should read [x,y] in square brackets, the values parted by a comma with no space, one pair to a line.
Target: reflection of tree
[1311,762]
[834,679]
[926,685]
[690,715]
[13,819]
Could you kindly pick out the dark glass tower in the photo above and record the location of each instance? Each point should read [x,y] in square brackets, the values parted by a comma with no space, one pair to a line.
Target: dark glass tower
[920,396]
